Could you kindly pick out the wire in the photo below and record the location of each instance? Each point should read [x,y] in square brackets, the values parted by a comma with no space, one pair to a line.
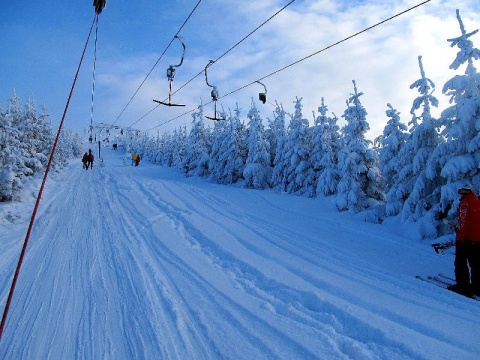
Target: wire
[303,59]
[94,71]
[156,63]
[221,56]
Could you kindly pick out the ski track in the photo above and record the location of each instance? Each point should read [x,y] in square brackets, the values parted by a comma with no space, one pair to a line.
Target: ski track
[165,269]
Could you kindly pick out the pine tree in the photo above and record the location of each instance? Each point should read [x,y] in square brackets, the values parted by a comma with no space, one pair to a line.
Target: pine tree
[297,151]
[424,140]
[233,154]
[359,187]
[456,160]
[220,132]
[279,135]
[394,137]
[325,156]
[257,170]
[196,155]
[179,139]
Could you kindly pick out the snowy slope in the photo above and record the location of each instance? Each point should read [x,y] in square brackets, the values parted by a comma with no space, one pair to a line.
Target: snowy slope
[142,263]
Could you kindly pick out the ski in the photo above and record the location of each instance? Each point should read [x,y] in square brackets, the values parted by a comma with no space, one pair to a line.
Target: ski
[444,281]
[431,280]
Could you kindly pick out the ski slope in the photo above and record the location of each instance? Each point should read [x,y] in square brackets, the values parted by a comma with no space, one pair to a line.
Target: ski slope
[130,262]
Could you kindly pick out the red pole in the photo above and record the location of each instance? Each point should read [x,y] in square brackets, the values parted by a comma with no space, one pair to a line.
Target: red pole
[32,219]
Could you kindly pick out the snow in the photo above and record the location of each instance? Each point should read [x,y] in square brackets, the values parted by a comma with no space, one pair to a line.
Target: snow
[130,262]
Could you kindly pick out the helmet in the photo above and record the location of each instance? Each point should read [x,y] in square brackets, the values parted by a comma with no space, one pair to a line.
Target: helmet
[467,189]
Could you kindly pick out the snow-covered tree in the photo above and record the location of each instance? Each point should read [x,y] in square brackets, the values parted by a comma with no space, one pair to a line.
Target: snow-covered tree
[359,187]
[457,159]
[424,140]
[325,157]
[279,135]
[26,140]
[297,152]
[391,142]
[220,132]
[233,154]
[178,146]
[196,156]
[257,170]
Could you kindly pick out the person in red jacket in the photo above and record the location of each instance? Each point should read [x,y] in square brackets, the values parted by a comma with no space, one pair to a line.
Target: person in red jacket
[467,245]
[90,159]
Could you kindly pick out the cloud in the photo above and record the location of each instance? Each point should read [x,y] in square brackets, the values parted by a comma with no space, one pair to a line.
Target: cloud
[383,61]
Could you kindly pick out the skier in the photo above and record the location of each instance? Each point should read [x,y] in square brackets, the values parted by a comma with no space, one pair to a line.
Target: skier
[137,160]
[90,159]
[134,158]
[467,245]
[85,160]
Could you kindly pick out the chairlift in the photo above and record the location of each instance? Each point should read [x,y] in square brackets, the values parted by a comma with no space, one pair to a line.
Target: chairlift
[170,76]
[99,5]
[262,96]
[214,94]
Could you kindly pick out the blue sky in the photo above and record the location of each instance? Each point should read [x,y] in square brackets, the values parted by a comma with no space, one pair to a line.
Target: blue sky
[42,41]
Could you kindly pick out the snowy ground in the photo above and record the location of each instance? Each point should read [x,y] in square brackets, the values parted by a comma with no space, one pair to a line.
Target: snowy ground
[142,263]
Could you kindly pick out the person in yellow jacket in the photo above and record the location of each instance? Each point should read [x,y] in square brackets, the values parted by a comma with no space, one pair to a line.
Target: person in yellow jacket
[134,158]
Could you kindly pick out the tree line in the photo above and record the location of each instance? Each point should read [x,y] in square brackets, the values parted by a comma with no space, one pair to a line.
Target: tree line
[411,172]
[26,140]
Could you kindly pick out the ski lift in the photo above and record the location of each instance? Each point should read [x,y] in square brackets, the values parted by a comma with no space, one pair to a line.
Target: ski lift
[262,96]
[170,76]
[214,94]
[99,5]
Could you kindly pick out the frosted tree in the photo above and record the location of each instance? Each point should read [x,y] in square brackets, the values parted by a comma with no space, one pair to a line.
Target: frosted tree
[69,146]
[392,141]
[179,140]
[359,187]
[278,139]
[14,170]
[257,170]
[457,159]
[325,158]
[196,156]
[233,154]
[220,132]
[166,158]
[424,140]
[296,151]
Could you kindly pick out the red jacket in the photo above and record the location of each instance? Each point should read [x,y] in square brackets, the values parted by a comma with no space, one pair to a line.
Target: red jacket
[468,228]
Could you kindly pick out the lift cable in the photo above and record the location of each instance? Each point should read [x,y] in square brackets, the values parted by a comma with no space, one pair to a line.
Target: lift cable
[299,61]
[93,76]
[156,63]
[221,56]
[39,196]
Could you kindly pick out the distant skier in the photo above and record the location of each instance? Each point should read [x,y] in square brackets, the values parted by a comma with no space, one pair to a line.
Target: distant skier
[90,159]
[467,246]
[137,160]
[134,158]
[85,161]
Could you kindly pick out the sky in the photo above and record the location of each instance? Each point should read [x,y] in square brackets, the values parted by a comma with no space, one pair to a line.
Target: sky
[42,42]
[155,265]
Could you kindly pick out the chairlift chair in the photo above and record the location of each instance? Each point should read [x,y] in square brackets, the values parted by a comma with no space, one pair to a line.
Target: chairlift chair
[262,96]
[214,94]
[99,5]
[170,76]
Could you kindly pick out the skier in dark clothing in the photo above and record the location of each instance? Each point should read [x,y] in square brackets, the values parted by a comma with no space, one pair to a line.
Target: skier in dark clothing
[85,161]
[467,245]
[90,159]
